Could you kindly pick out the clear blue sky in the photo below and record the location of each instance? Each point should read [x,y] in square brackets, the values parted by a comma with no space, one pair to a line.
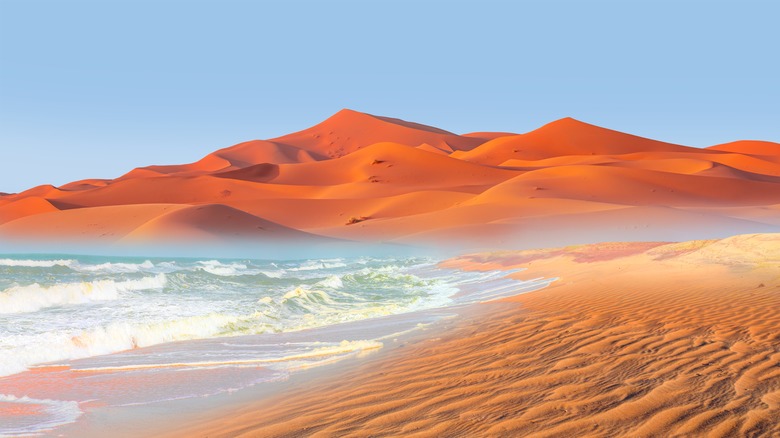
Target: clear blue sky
[93,89]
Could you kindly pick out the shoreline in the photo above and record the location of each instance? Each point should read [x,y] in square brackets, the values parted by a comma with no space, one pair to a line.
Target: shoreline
[151,420]
[390,332]
[635,339]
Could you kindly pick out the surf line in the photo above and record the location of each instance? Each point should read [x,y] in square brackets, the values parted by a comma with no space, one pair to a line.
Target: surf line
[346,347]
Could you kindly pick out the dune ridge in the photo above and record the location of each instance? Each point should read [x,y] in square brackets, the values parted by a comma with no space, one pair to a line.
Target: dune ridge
[362,177]
[634,339]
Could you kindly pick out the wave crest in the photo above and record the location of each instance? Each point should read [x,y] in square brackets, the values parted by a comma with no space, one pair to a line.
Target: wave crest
[35,263]
[115,268]
[223,270]
[30,298]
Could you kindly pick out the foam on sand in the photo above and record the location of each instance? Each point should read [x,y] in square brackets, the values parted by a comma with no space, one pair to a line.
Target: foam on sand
[307,359]
[25,416]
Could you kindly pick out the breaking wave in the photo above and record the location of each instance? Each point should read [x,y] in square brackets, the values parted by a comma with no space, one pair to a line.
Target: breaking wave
[114,268]
[30,298]
[223,270]
[36,263]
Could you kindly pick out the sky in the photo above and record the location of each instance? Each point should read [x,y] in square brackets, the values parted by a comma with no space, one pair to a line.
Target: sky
[92,89]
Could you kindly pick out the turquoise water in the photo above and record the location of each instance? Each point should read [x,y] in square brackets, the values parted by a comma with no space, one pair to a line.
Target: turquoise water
[128,331]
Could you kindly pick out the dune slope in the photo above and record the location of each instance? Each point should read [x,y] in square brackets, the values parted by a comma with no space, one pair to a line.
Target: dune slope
[357,176]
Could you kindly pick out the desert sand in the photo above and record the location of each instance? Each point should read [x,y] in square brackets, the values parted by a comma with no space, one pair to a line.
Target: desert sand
[360,177]
[634,339]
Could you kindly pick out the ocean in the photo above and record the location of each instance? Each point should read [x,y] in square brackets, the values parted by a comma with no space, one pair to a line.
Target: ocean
[79,333]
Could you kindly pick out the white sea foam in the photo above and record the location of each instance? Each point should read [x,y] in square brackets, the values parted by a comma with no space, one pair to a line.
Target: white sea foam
[311,357]
[19,352]
[325,355]
[49,415]
[30,298]
[297,309]
[306,295]
[311,265]
[35,263]
[115,268]
[125,336]
[272,274]
[223,270]
[333,282]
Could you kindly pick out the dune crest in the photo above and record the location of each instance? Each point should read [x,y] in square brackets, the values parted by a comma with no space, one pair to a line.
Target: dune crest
[413,183]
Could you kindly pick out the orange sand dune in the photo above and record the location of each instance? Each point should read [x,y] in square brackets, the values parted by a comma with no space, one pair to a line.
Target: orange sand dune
[390,165]
[348,131]
[209,163]
[563,137]
[196,223]
[233,158]
[764,149]
[336,213]
[758,165]
[84,184]
[257,151]
[535,222]
[487,135]
[633,339]
[29,206]
[152,222]
[632,186]
[595,225]
[102,224]
[357,176]
[44,191]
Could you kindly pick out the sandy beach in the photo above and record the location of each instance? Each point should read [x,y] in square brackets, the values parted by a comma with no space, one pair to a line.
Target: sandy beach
[634,339]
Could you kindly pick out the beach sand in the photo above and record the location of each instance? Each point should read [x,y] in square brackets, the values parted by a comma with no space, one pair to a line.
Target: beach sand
[634,339]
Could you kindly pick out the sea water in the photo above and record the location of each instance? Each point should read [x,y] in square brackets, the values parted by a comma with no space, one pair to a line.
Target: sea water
[79,333]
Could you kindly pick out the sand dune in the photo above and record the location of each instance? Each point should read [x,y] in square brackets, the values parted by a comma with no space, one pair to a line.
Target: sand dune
[347,131]
[196,223]
[357,176]
[564,137]
[765,149]
[600,224]
[28,206]
[634,339]
[102,224]
[392,166]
